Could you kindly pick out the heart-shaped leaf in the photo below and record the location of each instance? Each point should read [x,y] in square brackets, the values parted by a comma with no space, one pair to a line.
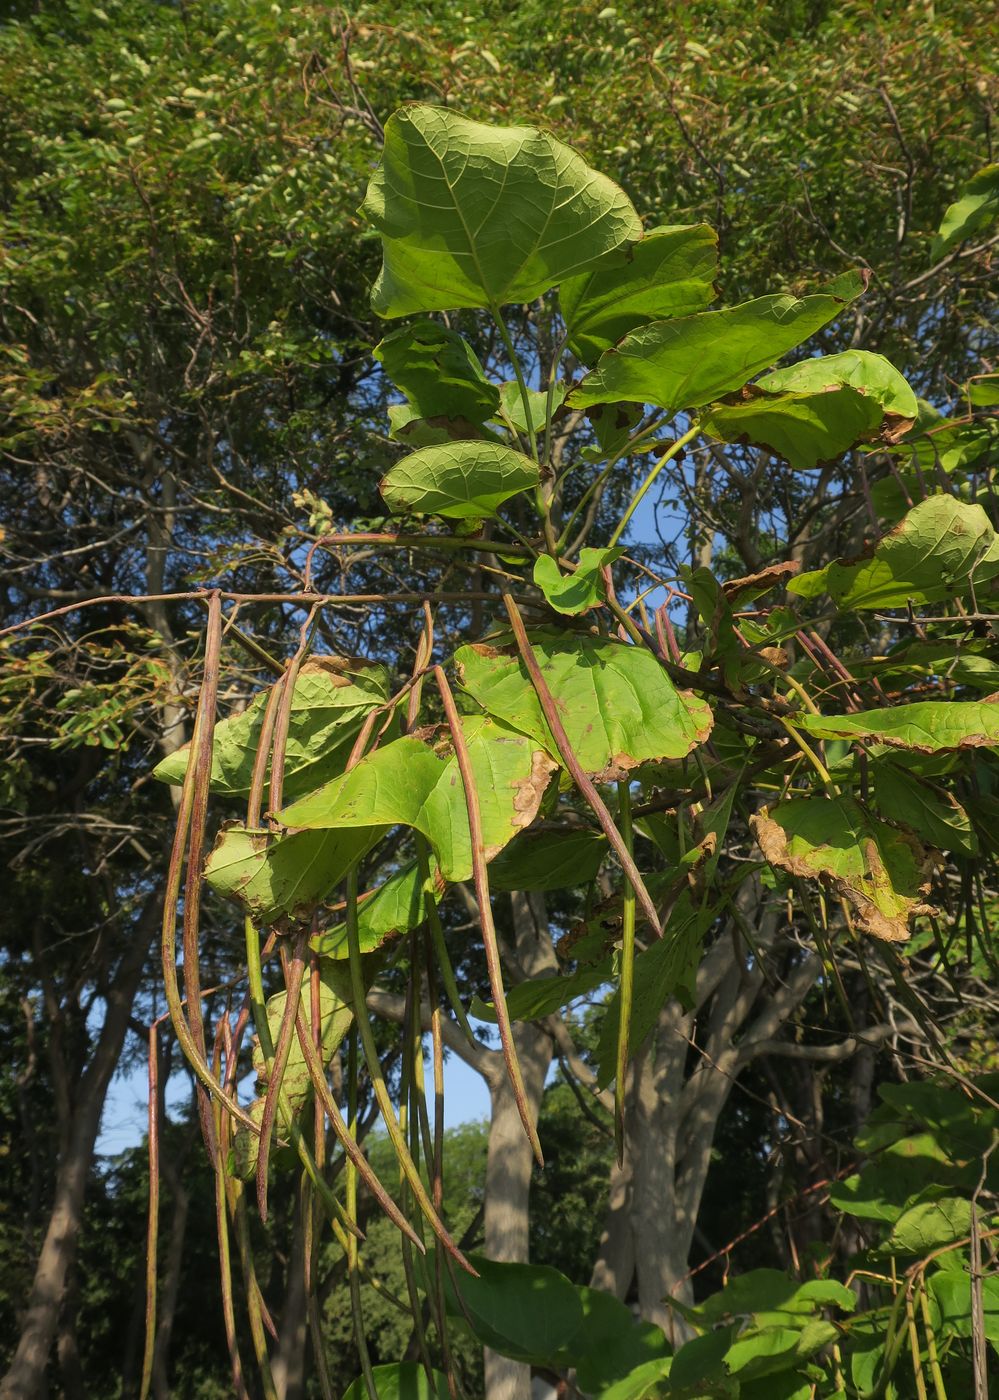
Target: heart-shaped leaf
[461,480]
[805,429]
[438,371]
[478,216]
[575,592]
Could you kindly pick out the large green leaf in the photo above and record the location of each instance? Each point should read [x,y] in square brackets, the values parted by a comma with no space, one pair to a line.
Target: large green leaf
[879,871]
[400,1380]
[772,1292]
[618,706]
[525,1311]
[610,1342]
[952,1291]
[478,216]
[438,371]
[975,208]
[332,695]
[278,876]
[669,272]
[935,552]
[693,360]
[934,814]
[928,726]
[460,480]
[645,1382]
[805,429]
[928,1225]
[412,782]
[870,374]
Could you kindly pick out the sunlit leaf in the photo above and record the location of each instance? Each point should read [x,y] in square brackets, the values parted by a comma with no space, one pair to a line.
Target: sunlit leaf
[928,1225]
[693,360]
[927,726]
[416,783]
[870,374]
[575,592]
[935,552]
[512,402]
[461,480]
[478,216]
[618,706]
[393,908]
[278,876]
[975,207]
[669,272]
[881,872]
[401,1380]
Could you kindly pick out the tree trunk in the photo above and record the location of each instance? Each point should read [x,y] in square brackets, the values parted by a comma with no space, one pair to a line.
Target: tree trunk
[509,1159]
[25,1380]
[288,1368]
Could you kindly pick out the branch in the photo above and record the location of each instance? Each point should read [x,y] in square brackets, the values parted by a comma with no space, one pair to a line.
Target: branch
[826,1054]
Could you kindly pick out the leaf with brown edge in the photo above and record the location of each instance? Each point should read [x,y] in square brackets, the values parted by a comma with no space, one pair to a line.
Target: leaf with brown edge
[928,726]
[744,590]
[880,871]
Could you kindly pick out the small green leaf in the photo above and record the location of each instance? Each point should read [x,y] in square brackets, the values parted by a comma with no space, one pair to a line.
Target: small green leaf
[870,374]
[461,480]
[693,360]
[935,552]
[881,872]
[928,726]
[646,1382]
[618,706]
[574,593]
[975,208]
[332,696]
[669,272]
[537,997]
[479,216]
[438,371]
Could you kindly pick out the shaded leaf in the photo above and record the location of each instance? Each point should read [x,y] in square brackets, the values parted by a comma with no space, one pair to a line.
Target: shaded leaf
[933,553]
[880,872]
[525,1311]
[438,371]
[805,429]
[574,593]
[929,1225]
[693,360]
[548,860]
[610,1342]
[537,997]
[412,782]
[512,402]
[478,216]
[669,272]
[928,726]
[617,704]
[933,813]
[393,908]
[461,480]
[406,426]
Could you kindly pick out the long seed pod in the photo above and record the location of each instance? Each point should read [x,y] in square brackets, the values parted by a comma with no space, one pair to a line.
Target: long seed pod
[222,1226]
[489,940]
[579,777]
[357,1312]
[378,1081]
[627,977]
[278,1067]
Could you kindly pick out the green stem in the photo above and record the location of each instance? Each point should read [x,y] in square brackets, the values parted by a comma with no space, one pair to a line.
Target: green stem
[598,482]
[437,935]
[357,1312]
[672,451]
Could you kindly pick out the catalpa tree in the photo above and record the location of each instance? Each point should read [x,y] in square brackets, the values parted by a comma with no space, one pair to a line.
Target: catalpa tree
[727,783]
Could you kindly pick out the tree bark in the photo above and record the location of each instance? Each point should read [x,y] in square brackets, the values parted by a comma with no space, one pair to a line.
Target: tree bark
[25,1380]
